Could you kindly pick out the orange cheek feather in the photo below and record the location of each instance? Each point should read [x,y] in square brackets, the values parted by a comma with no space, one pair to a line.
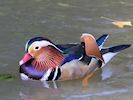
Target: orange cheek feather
[46,57]
[34,53]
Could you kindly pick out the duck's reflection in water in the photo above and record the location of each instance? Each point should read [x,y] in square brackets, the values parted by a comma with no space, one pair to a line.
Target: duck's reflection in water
[33,90]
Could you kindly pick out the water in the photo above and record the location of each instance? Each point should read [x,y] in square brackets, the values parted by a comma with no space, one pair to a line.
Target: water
[63,22]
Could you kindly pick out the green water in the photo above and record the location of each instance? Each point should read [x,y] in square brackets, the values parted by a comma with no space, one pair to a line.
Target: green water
[63,21]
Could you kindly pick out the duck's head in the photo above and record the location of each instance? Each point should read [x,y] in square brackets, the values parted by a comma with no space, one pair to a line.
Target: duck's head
[39,48]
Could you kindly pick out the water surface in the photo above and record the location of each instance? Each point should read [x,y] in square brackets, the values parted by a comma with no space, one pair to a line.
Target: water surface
[64,22]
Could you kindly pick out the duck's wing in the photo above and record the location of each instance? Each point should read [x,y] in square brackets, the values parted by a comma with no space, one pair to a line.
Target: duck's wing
[100,42]
[77,51]
[74,53]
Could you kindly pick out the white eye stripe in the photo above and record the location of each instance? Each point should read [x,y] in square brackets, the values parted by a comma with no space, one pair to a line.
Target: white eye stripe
[43,43]
[39,44]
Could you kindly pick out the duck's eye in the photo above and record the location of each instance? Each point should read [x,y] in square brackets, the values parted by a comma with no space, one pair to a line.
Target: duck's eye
[37,48]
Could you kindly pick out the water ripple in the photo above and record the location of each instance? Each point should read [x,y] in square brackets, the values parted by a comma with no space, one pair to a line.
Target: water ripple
[103,93]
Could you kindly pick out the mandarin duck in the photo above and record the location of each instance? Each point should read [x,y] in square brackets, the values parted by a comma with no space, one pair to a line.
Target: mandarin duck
[47,61]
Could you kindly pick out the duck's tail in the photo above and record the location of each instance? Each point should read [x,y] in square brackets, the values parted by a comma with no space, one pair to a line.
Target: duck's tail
[109,52]
[101,40]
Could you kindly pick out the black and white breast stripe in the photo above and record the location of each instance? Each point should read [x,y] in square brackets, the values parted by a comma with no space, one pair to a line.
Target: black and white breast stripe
[51,74]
